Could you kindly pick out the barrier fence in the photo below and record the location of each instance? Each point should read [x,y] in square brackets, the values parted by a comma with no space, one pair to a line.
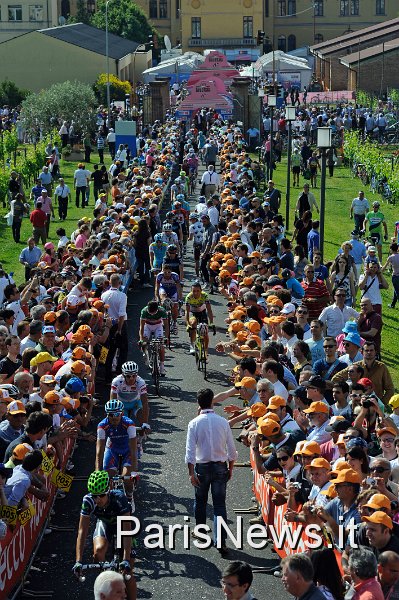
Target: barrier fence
[19,547]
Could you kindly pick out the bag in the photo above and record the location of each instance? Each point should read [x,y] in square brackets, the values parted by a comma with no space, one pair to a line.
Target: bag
[306,174]
[9,218]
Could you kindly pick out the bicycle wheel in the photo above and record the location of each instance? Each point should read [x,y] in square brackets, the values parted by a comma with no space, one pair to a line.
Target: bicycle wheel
[169,326]
[203,359]
[155,370]
[197,356]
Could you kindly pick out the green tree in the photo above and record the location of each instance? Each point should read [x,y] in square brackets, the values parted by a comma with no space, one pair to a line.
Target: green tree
[67,101]
[82,14]
[10,94]
[125,19]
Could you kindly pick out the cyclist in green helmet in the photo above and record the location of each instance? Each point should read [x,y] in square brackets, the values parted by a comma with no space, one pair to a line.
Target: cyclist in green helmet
[106,505]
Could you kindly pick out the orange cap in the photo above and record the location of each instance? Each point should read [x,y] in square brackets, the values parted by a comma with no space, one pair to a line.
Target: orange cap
[276,402]
[380,518]
[257,410]
[317,407]
[269,428]
[247,382]
[319,463]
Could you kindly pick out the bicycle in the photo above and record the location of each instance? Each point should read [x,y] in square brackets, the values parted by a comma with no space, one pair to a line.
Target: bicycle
[200,350]
[112,565]
[154,361]
[118,484]
[167,305]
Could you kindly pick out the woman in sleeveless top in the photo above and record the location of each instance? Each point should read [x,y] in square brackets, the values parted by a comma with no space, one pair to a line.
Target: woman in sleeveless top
[343,277]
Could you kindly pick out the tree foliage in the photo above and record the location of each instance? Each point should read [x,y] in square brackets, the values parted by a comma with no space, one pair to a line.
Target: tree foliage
[10,94]
[125,19]
[82,14]
[67,101]
[118,88]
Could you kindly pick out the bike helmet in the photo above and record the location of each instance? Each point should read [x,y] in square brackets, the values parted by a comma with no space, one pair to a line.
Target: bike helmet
[180,197]
[130,368]
[171,248]
[167,227]
[12,390]
[202,329]
[98,482]
[158,237]
[113,406]
[169,215]
[193,216]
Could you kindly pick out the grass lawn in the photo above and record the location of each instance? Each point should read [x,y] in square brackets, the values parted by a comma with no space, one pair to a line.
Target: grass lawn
[341,189]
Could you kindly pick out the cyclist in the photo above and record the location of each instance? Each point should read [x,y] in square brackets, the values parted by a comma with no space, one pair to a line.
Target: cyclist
[176,226]
[168,235]
[375,219]
[153,323]
[106,505]
[116,439]
[196,232]
[181,216]
[157,253]
[173,260]
[167,285]
[198,304]
[131,389]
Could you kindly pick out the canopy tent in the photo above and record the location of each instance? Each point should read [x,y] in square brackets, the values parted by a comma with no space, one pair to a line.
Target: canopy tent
[289,70]
[177,67]
[210,93]
[215,66]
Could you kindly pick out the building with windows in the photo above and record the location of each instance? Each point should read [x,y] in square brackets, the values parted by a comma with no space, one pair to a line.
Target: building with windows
[165,16]
[290,24]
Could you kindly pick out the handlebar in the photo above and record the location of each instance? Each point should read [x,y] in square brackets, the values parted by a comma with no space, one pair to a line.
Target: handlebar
[130,477]
[104,566]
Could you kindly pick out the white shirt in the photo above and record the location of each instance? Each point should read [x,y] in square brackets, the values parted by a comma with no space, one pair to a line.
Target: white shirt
[19,314]
[63,241]
[280,390]
[209,439]
[335,318]
[213,215]
[210,178]
[319,434]
[27,343]
[373,292]
[62,190]
[81,176]
[117,301]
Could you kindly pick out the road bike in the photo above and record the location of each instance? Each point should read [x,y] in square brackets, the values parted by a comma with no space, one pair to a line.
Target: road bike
[154,348]
[200,350]
[167,304]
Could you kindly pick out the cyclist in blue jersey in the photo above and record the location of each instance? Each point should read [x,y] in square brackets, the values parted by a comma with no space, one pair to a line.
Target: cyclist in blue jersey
[157,252]
[116,440]
[106,506]
[167,285]
[132,391]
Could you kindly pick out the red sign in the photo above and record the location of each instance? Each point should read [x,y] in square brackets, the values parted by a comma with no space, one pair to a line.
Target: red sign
[18,545]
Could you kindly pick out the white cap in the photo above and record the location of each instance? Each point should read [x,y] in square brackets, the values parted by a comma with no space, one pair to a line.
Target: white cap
[288,308]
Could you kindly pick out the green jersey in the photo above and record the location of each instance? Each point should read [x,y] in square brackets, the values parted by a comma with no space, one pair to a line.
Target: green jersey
[153,318]
[375,221]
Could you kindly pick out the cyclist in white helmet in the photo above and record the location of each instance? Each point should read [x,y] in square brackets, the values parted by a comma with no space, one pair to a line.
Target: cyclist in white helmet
[131,390]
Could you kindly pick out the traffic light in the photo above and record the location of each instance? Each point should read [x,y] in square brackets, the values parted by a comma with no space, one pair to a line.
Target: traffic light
[260,38]
[269,90]
[280,91]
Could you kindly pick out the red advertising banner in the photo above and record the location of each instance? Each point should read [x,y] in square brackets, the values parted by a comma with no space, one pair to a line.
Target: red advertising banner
[17,547]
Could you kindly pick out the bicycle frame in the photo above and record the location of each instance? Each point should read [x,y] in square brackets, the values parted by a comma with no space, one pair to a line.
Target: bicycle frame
[154,348]
[200,354]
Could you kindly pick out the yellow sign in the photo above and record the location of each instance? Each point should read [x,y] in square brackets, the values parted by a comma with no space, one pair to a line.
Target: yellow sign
[47,464]
[26,514]
[103,355]
[9,514]
[61,480]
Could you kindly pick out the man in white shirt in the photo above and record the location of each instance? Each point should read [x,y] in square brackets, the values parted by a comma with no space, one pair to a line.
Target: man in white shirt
[359,208]
[210,457]
[81,180]
[63,193]
[117,302]
[213,212]
[318,416]
[335,316]
[211,181]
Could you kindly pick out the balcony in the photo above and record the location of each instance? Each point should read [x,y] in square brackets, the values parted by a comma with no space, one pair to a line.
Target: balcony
[222,42]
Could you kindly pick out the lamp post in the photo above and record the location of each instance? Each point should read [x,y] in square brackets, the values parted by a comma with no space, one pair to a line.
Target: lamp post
[107,57]
[324,139]
[290,115]
[261,95]
[271,102]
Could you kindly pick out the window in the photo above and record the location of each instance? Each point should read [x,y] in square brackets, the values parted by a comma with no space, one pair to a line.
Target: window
[344,8]
[354,8]
[35,12]
[281,8]
[291,42]
[281,44]
[163,9]
[196,27]
[380,7]
[15,13]
[291,8]
[153,9]
[248,28]
[318,38]
[318,8]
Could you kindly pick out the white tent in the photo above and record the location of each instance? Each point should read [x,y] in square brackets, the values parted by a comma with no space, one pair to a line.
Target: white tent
[177,65]
[289,69]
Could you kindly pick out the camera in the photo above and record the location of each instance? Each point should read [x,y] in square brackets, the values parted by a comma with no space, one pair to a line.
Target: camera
[296,485]
[371,481]
[367,404]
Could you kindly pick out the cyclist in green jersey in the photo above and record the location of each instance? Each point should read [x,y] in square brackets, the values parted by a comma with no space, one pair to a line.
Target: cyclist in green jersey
[375,220]
[153,323]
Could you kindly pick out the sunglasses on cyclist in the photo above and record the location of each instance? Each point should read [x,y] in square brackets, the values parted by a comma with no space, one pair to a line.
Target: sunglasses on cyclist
[115,414]
[99,495]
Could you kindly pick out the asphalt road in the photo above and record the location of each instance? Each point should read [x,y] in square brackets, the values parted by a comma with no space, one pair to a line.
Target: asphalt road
[165,496]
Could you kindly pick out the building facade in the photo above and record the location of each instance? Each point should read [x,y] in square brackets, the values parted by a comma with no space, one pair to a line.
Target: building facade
[288,24]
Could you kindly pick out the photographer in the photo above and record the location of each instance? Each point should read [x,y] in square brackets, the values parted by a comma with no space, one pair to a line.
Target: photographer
[371,284]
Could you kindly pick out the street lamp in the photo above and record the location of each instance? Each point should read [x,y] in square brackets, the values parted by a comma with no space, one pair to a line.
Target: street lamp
[107,57]
[272,103]
[324,140]
[290,115]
